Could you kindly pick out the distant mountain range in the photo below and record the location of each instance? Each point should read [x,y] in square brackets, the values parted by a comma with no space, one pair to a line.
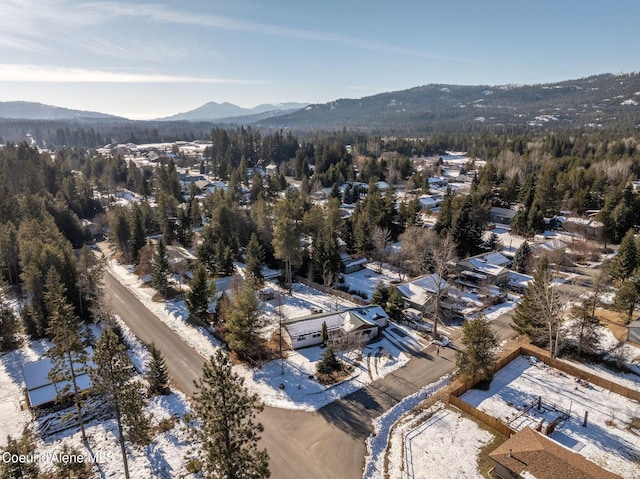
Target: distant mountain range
[215,112]
[602,101]
[24,110]
[605,101]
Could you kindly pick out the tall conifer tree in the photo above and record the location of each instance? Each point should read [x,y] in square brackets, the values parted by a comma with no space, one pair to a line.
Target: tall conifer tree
[68,354]
[112,378]
[226,433]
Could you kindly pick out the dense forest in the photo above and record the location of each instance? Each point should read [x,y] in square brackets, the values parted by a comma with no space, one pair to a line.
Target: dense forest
[44,197]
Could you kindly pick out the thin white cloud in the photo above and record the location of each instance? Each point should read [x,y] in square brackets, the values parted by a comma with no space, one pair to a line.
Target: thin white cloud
[53,74]
[168,15]
[51,26]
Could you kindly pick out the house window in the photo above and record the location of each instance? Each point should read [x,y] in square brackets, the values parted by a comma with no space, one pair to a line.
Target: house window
[301,338]
[316,335]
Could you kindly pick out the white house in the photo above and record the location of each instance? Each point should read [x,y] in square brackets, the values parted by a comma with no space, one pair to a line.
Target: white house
[354,324]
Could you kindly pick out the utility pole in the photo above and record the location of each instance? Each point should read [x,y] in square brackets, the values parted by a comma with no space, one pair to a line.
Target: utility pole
[280,335]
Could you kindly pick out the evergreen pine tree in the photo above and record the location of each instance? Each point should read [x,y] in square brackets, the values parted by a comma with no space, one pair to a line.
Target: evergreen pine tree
[627,258]
[68,355]
[157,374]
[226,433]
[329,363]
[254,259]
[380,295]
[244,322]
[540,314]
[8,322]
[24,446]
[627,296]
[526,318]
[586,326]
[197,298]
[522,258]
[394,303]
[137,233]
[493,243]
[324,332]
[477,358]
[112,379]
[160,268]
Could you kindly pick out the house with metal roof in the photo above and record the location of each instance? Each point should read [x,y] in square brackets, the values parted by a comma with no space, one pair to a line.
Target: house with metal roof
[42,391]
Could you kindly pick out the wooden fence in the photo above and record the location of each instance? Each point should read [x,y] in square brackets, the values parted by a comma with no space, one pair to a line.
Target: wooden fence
[334,292]
[464,386]
[581,373]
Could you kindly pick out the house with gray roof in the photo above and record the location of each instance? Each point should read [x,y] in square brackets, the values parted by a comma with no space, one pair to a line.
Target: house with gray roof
[359,325]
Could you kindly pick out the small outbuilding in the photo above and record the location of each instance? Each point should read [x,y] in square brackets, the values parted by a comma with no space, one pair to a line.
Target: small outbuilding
[633,333]
[41,391]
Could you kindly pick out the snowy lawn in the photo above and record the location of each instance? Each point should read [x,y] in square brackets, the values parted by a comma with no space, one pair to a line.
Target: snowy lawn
[164,457]
[438,442]
[377,443]
[296,388]
[608,439]
[367,279]
[300,303]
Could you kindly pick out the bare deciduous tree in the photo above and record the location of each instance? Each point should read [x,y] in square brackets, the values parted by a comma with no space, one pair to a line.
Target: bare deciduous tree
[380,237]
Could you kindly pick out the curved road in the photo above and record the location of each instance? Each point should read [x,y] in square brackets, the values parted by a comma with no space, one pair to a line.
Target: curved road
[326,444]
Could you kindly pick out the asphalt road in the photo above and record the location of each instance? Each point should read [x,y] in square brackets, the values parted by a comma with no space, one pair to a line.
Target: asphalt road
[326,444]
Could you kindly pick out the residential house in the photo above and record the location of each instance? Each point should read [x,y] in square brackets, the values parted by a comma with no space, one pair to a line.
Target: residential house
[430,202]
[503,216]
[588,228]
[552,247]
[485,268]
[420,293]
[529,454]
[349,326]
[271,170]
[181,262]
[205,186]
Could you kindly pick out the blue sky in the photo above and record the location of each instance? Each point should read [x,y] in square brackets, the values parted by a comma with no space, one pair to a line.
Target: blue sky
[144,59]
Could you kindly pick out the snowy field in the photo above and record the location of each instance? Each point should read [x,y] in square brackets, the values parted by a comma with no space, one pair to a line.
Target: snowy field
[608,440]
[438,442]
[367,279]
[377,443]
[294,389]
[302,301]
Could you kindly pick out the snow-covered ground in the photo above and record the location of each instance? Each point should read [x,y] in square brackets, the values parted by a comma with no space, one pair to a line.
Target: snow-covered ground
[367,279]
[377,443]
[296,388]
[163,458]
[14,412]
[302,301]
[438,442]
[607,440]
